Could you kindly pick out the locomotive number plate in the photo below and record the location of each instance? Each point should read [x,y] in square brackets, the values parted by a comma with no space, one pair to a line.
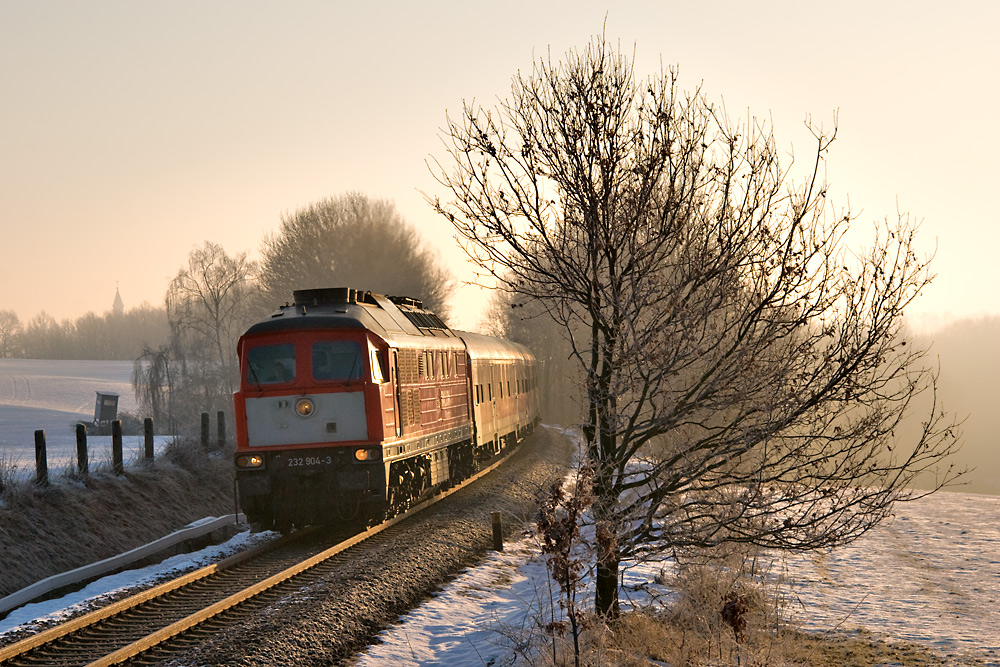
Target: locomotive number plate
[303,461]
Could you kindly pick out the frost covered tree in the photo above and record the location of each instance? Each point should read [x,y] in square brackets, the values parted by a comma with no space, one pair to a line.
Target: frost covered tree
[353,241]
[45,338]
[209,304]
[744,371]
[10,327]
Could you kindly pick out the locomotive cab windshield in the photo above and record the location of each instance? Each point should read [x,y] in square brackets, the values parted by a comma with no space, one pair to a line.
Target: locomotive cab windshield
[330,361]
[271,364]
[339,360]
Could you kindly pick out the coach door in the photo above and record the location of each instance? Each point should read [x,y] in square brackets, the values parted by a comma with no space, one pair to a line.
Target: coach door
[493,401]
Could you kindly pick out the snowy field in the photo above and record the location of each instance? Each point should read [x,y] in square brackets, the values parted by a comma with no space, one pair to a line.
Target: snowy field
[932,576]
[54,395]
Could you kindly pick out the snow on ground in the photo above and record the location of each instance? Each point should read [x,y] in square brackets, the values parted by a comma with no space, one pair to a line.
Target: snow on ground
[931,576]
[54,395]
[493,613]
[486,613]
[68,386]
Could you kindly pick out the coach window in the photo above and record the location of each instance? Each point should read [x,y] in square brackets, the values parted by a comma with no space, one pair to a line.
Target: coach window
[337,360]
[270,364]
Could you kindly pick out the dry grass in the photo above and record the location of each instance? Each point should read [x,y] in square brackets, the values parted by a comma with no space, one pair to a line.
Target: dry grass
[694,629]
[74,521]
[644,639]
[8,473]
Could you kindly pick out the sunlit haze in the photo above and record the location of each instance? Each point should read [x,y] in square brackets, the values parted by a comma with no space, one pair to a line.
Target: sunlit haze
[132,132]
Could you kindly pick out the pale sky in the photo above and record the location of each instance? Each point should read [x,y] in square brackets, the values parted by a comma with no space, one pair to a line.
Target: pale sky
[131,132]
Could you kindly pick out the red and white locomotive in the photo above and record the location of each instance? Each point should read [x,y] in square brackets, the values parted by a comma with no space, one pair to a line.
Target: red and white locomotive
[353,405]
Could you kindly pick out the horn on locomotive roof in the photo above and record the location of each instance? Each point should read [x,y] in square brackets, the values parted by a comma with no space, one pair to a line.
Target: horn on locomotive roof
[325,296]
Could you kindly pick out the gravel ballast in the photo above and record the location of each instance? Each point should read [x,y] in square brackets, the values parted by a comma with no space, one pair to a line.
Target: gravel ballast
[328,622]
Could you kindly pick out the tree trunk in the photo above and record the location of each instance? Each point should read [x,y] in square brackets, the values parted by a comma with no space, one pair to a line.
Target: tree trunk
[606,595]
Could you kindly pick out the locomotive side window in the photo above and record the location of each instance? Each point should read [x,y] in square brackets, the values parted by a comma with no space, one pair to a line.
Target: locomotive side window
[380,368]
[337,360]
[268,364]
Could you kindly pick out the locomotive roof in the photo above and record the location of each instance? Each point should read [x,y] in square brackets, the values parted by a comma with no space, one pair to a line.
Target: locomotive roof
[335,308]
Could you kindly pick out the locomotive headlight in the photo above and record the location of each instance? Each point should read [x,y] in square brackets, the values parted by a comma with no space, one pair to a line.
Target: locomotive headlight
[250,461]
[366,454]
[304,407]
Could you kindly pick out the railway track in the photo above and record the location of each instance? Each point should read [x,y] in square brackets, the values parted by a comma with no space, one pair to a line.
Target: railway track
[150,626]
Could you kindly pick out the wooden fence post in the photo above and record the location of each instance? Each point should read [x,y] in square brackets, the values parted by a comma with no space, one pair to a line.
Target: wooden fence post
[41,459]
[204,430]
[147,431]
[117,457]
[497,532]
[82,459]
[222,430]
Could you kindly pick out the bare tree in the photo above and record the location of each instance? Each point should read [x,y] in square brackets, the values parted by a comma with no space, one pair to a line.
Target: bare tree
[353,241]
[209,306]
[744,371]
[153,383]
[10,327]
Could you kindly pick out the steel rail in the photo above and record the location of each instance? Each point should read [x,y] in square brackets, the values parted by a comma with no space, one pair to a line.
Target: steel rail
[90,618]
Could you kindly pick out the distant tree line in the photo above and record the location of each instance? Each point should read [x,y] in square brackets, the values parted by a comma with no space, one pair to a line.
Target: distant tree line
[114,336]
